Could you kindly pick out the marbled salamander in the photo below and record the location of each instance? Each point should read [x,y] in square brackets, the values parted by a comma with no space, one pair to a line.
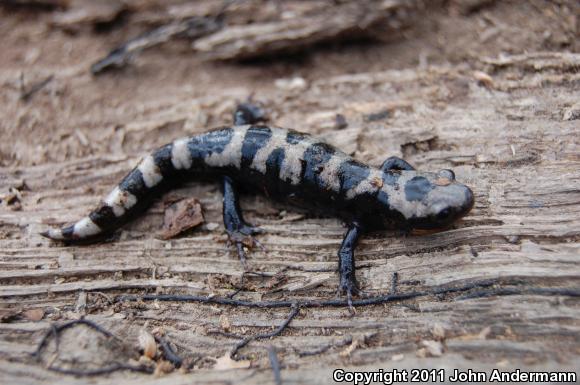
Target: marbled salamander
[290,166]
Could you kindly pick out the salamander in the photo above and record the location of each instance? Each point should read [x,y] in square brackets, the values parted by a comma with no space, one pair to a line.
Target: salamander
[289,166]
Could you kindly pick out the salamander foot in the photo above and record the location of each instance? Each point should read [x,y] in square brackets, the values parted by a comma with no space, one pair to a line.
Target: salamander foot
[243,237]
[349,287]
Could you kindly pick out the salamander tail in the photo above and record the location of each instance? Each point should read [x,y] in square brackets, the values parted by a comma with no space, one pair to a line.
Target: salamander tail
[84,229]
[134,192]
[169,164]
[55,234]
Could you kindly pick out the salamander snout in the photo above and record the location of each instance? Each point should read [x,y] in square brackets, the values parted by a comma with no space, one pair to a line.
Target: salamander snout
[454,206]
[448,201]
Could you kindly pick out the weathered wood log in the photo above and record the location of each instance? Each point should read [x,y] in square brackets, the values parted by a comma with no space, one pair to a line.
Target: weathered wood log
[292,31]
[346,21]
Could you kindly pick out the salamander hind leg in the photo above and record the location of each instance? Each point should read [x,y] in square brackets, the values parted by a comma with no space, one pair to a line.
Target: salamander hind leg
[239,232]
[348,284]
[248,113]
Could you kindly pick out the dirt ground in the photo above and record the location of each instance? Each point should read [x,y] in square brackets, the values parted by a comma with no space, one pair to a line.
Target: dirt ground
[487,88]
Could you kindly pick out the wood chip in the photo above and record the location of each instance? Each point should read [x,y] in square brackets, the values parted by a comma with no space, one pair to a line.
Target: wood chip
[572,113]
[483,79]
[180,217]
[349,349]
[482,335]
[147,344]
[296,83]
[34,315]
[397,357]
[276,280]
[430,348]
[225,323]
[308,282]
[212,226]
[438,332]
[163,367]
[226,363]
[81,304]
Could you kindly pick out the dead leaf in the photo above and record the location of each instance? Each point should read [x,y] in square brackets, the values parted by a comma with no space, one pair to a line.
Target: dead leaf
[181,216]
[225,362]
[34,315]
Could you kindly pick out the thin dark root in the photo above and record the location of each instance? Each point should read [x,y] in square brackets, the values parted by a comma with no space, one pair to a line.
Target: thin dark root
[100,371]
[323,349]
[274,333]
[169,354]
[394,282]
[486,289]
[275,364]
[55,331]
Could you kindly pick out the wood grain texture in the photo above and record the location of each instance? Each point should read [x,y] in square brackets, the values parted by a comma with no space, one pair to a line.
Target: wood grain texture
[509,143]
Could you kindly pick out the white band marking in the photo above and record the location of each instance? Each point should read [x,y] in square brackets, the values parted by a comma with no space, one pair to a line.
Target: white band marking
[86,228]
[151,174]
[180,155]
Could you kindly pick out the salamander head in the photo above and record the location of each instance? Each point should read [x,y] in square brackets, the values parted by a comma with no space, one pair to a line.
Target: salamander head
[427,200]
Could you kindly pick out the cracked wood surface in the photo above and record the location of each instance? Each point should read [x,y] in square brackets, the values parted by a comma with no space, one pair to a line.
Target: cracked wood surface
[525,224]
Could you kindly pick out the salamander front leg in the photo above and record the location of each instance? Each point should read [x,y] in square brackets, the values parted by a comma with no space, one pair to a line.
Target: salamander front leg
[348,283]
[239,232]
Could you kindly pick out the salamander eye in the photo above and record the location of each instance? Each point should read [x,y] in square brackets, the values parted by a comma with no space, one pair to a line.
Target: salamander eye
[443,214]
[445,173]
